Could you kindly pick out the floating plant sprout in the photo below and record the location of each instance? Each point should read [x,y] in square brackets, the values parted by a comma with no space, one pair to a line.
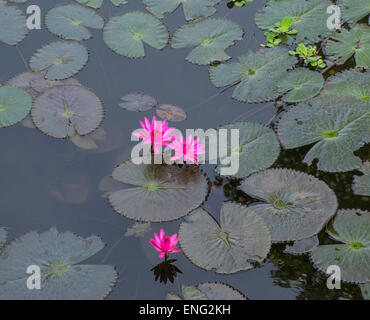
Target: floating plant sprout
[155,190]
[170,112]
[12,24]
[337,125]
[361,184]
[138,102]
[210,37]
[294,205]
[354,10]
[351,228]
[126,33]
[241,237]
[58,255]
[302,246]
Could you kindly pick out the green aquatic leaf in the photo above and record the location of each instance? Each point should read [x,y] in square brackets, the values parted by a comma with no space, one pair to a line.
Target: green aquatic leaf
[126,33]
[96,4]
[354,10]
[72,21]
[302,85]
[353,253]
[346,44]
[138,102]
[365,290]
[210,37]
[58,255]
[337,125]
[361,184]
[61,59]
[309,17]
[155,190]
[193,9]
[302,246]
[12,24]
[3,236]
[15,104]
[63,111]
[294,205]
[256,74]
[230,247]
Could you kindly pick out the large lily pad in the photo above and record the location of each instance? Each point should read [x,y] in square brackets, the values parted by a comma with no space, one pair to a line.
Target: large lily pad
[351,228]
[15,104]
[230,247]
[256,74]
[58,255]
[72,21]
[12,24]
[156,190]
[309,17]
[63,111]
[126,33]
[61,59]
[361,184]
[337,125]
[138,102]
[210,37]
[294,205]
[354,10]
[346,44]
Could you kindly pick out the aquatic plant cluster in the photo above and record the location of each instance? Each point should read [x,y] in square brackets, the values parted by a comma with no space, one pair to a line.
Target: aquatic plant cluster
[320,81]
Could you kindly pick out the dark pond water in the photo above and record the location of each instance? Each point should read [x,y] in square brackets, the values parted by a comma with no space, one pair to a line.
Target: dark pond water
[37,171]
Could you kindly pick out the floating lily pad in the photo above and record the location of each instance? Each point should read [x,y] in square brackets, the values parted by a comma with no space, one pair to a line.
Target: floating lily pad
[12,24]
[138,102]
[256,74]
[351,228]
[72,21]
[96,4]
[337,125]
[193,9]
[210,37]
[126,33]
[62,59]
[365,290]
[138,229]
[230,247]
[258,149]
[346,44]
[170,112]
[302,85]
[3,235]
[302,246]
[354,10]
[309,17]
[63,111]
[15,104]
[58,255]
[361,184]
[294,205]
[156,190]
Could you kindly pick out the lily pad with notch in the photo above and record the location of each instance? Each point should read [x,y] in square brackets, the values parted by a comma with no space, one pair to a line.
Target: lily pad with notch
[361,184]
[138,102]
[12,24]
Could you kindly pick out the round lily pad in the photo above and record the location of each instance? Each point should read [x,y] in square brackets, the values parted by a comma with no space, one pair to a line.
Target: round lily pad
[210,37]
[337,125]
[170,112]
[58,255]
[293,204]
[61,59]
[72,21]
[138,102]
[302,246]
[63,111]
[126,33]
[12,24]
[15,104]
[361,184]
[351,228]
[155,190]
[230,247]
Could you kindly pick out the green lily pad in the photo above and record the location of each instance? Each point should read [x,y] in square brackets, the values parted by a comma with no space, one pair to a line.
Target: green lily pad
[256,74]
[303,246]
[294,205]
[3,236]
[63,111]
[354,10]
[346,44]
[96,4]
[15,104]
[365,290]
[230,247]
[309,17]
[61,59]
[126,33]
[12,24]
[361,184]
[155,190]
[72,21]
[351,228]
[138,102]
[302,85]
[210,37]
[193,9]
[337,125]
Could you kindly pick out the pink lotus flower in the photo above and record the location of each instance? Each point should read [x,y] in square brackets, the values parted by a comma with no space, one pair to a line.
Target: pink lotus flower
[187,149]
[155,133]
[164,244]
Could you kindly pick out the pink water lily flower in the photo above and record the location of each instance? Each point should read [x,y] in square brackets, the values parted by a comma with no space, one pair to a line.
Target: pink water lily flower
[187,149]
[156,133]
[164,244]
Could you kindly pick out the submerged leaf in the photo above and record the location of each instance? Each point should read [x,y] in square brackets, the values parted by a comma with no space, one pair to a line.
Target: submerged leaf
[24,80]
[138,229]
[302,246]
[361,184]
[170,112]
[12,24]
[354,10]
[365,290]
[138,102]
[87,142]
[3,235]
[294,205]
